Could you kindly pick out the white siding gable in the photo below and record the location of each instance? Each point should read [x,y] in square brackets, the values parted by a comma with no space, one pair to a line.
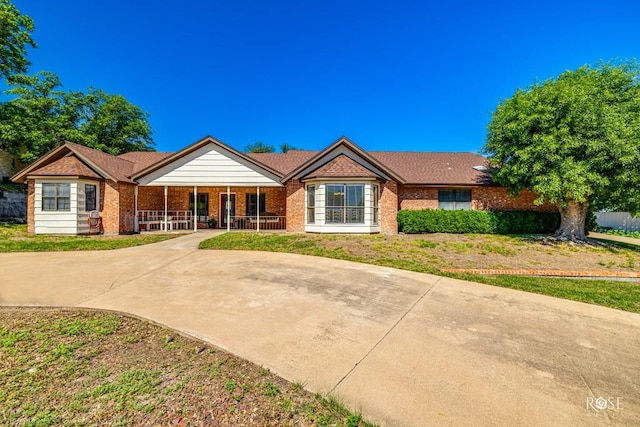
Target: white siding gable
[210,166]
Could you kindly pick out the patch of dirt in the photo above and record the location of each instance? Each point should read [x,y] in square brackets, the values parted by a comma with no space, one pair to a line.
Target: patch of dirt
[94,368]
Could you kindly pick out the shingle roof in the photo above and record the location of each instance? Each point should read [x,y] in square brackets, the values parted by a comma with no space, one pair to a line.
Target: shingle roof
[415,167]
[117,168]
[435,167]
[283,162]
[143,159]
[341,166]
[67,166]
[423,168]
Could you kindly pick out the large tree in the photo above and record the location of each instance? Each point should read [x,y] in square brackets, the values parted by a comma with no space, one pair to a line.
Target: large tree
[573,140]
[259,147]
[40,115]
[15,38]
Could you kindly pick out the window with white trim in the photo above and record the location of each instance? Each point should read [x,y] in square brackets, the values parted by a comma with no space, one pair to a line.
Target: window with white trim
[311,204]
[90,192]
[376,204]
[344,203]
[56,197]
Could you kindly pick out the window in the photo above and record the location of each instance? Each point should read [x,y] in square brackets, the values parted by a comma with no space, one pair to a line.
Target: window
[202,211]
[56,197]
[252,205]
[311,204]
[90,197]
[376,203]
[344,204]
[454,199]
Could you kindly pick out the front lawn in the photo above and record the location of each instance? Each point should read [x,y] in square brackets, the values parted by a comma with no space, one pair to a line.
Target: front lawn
[14,238]
[429,253]
[94,368]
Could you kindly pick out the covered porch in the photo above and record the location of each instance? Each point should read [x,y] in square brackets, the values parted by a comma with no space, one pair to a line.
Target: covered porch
[209,185]
[173,208]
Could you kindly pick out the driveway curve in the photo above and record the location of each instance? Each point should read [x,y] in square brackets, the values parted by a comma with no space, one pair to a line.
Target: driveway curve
[404,348]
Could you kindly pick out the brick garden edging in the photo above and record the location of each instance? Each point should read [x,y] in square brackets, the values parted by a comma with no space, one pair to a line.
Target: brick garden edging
[554,273]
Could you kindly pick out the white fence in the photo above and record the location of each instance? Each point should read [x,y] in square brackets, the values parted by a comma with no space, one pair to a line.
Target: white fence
[618,221]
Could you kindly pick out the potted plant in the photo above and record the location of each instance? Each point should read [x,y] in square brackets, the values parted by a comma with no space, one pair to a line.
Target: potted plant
[212,222]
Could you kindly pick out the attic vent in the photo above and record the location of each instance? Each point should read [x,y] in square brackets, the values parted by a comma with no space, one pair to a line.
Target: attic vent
[481,168]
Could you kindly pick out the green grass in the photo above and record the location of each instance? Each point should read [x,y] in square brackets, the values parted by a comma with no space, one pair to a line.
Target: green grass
[14,238]
[73,368]
[406,255]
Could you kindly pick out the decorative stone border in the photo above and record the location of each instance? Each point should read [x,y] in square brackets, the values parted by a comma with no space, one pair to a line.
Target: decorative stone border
[555,273]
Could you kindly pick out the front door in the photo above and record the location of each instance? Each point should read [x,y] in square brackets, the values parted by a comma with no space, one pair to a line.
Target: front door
[202,206]
[227,206]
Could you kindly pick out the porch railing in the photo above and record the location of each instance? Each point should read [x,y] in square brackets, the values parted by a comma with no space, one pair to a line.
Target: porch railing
[266,222]
[149,220]
[154,220]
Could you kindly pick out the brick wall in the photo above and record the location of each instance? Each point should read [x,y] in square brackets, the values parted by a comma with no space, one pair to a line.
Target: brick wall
[31,200]
[494,198]
[110,207]
[126,208]
[295,206]
[389,207]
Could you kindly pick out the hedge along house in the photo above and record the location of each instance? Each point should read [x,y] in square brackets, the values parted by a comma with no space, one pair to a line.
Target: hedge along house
[341,189]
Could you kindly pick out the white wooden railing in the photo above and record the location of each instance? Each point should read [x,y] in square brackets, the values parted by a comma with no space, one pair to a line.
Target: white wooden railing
[149,220]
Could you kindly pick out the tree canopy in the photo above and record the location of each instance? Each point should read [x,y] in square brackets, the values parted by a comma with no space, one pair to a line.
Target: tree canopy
[573,140]
[40,116]
[259,147]
[15,38]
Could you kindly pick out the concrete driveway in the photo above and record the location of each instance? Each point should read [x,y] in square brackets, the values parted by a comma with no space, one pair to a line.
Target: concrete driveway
[405,348]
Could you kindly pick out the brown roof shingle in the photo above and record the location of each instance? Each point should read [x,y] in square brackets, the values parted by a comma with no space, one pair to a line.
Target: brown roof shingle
[67,166]
[341,166]
[143,159]
[283,162]
[435,167]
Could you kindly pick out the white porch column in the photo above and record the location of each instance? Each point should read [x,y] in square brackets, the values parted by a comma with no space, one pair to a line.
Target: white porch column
[227,207]
[166,194]
[195,208]
[136,224]
[258,208]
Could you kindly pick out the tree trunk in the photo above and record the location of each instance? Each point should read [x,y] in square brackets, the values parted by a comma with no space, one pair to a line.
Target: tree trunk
[572,221]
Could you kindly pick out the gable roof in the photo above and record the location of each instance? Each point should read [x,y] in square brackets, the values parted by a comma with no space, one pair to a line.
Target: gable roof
[196,146]
[105,165]
[342,159]
[67,166]
[341,166]
[342,146]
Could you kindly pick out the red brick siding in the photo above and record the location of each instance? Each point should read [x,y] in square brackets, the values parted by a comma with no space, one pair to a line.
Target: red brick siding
[494,198]
[389,207]
[295,206]
[110,212]
[126,208]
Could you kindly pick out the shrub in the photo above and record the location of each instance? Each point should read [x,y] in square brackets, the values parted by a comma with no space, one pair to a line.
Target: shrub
[481,222]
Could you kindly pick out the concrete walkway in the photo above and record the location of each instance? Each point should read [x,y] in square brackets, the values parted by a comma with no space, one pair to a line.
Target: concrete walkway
[405,348]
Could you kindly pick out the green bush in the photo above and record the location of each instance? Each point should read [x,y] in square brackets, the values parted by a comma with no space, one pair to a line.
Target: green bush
[481,222]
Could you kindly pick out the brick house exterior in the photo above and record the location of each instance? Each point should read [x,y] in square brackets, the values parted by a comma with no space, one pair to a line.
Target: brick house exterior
[341,189]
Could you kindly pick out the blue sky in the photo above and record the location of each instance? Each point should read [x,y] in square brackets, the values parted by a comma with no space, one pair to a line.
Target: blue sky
[401,75]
